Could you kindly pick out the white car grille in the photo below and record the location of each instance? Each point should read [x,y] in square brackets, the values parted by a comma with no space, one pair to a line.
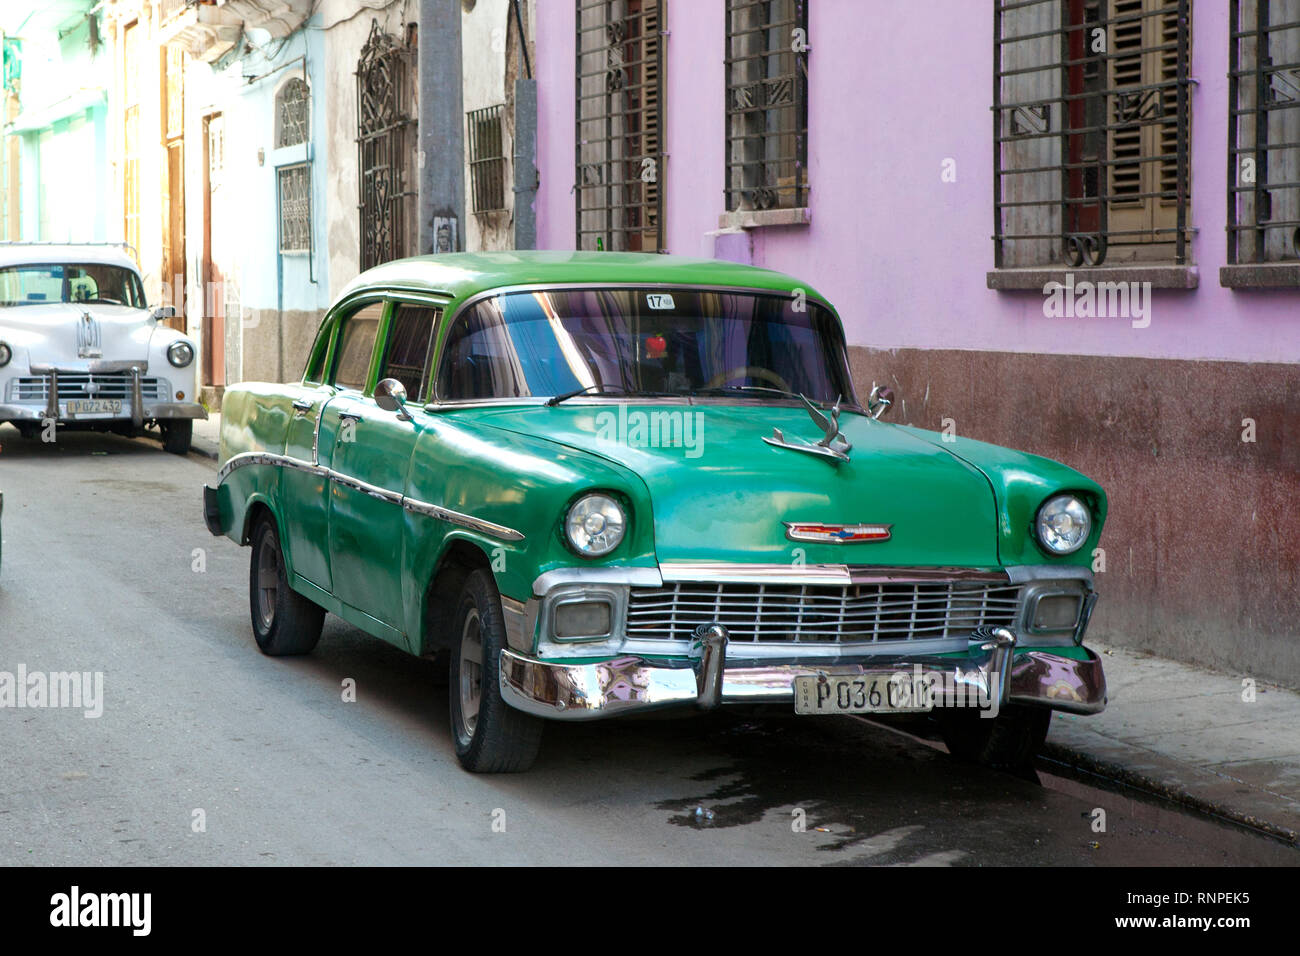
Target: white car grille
[36,388]
[821,614]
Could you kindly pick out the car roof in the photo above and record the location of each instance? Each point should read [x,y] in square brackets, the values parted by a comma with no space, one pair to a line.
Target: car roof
[463,274]
[49,253]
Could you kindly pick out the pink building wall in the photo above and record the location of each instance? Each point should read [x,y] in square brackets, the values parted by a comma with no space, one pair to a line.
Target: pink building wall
[895,89]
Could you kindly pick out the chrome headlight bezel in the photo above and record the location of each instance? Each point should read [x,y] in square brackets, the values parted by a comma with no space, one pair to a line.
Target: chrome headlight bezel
[180,354]
[6,354]
[590,538]
[1049,534]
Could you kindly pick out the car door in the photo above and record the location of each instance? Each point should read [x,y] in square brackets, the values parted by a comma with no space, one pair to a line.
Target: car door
[305,490]
[372,451]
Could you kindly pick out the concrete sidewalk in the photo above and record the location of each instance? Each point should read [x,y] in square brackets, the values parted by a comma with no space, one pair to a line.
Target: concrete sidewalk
[1188,734]
[1174,730]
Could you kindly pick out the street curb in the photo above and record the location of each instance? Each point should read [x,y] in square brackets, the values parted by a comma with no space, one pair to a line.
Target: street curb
[200,447]
[1086,763]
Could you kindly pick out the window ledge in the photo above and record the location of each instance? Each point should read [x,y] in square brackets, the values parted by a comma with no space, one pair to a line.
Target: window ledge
[1262,275]
[760,218]
[1036,278]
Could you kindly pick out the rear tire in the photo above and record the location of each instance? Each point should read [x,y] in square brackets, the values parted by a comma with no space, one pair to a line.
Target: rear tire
[284,622]
[177,435]
[1008,741]
[490,735]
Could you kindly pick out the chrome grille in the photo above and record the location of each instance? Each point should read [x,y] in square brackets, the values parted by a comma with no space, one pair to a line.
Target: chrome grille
[822,614]
[36,388]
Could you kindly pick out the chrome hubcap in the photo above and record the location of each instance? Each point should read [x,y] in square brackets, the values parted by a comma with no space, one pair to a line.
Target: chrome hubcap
[268,581]
[471,671]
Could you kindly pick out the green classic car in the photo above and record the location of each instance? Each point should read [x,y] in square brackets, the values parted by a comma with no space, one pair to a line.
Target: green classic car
[612,483]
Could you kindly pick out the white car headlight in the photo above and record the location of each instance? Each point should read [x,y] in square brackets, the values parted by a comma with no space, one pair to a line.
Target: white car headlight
[1063,524]
[6,354]
[180,354]
[595,525]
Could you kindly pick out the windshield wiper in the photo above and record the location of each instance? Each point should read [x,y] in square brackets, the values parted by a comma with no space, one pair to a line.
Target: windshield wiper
[601,387]
[744,388]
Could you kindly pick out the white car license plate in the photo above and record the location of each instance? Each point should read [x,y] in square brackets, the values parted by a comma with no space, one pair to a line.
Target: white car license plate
[93,407]
[861,694]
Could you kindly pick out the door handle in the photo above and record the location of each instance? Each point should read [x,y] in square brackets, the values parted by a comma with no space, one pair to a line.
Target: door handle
[350,417]
[302,404]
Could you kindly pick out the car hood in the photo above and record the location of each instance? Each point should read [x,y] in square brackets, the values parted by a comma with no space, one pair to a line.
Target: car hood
[720,493]
[55,334]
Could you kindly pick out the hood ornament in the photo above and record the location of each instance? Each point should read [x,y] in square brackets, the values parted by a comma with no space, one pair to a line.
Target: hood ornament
[833,444]
[88,342]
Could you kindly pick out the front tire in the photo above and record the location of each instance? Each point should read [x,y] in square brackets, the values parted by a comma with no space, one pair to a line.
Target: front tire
[177,436]
[490,735]
[1010,741]
[284,622]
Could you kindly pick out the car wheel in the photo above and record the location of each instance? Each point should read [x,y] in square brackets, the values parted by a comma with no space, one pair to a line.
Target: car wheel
[284,622]
[1010,740]
[490,735]
[176,436]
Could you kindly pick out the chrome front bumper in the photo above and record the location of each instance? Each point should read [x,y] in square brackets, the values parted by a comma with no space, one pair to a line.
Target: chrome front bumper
[149,411]
[135,408]
[992,668]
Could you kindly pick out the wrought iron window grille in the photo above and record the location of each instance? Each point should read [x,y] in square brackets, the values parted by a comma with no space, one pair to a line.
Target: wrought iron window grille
[295,207]
[767,104]
[619,180]
[292,113]
[386,144]
[1091,131]
[487,159]
[1264,131]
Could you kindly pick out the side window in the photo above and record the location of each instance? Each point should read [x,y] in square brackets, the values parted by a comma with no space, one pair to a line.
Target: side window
[479,360]
[356,345]
[410,352]
[314,373]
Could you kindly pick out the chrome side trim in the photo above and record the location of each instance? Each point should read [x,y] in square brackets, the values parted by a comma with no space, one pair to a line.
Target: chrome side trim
[244,459]
[499,531]
[833,574]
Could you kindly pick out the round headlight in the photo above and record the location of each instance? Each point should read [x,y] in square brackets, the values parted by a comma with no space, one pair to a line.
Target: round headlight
[595,525]
[1063,524]
[180,354]
[6,353]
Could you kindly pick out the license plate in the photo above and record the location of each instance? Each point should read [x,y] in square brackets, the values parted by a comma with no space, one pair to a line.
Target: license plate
[861,694]
[93,407]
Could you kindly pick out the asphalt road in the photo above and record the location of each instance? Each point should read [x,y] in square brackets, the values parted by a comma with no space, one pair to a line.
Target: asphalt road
[107,567]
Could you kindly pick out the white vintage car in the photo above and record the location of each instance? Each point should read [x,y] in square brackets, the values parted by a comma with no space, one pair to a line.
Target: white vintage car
[80,347]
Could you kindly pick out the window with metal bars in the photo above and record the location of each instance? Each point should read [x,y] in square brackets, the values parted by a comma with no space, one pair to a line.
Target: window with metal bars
[295,207]
[487,158]
[292,113]
[1092,128]
[620,172]
[1264,132]
[767,104]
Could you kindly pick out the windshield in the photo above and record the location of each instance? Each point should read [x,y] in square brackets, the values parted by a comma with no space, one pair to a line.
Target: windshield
[645,341]
[92,284]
